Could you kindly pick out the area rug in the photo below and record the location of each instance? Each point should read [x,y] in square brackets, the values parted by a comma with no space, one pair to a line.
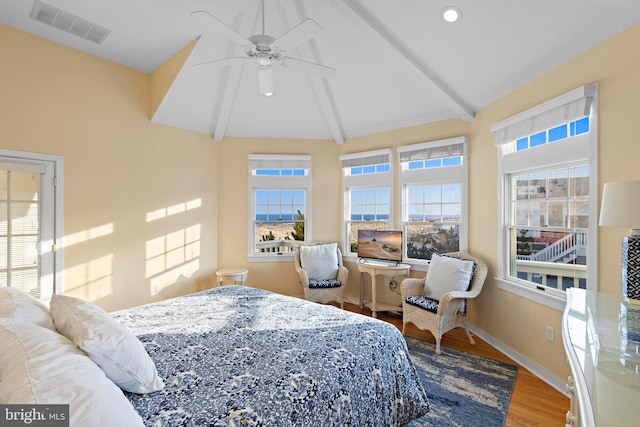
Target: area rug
[463,389]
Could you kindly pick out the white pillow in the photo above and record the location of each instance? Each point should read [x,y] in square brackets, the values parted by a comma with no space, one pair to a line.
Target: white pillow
[320,261]
[117,351]
[447,274]
[39,366]
[20,306]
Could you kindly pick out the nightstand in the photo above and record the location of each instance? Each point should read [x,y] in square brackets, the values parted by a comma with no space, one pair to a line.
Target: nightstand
[236,275]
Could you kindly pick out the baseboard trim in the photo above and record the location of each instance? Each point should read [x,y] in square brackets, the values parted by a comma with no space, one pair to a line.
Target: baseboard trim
[533,367]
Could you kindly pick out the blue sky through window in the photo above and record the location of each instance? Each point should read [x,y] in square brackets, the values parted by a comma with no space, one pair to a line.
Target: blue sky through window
[362,170]
[281,172]
[434,202]
[557,133]
[279,205]
[370,204]
[435,163]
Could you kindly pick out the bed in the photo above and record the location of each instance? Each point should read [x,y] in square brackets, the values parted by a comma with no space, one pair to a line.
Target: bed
[236,355]
[229,356]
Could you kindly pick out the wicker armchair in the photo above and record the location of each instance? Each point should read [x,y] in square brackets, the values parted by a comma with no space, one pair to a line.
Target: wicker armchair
[448,312]
[323,289]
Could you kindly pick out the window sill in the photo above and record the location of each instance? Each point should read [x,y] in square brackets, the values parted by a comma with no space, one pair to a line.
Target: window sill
[276,257]
[541,297]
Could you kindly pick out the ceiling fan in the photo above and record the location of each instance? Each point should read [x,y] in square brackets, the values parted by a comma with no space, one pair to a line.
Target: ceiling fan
[266,50]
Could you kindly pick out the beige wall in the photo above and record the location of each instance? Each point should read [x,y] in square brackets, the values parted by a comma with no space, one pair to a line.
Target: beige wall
[120,171]
[615,66]
[119,168]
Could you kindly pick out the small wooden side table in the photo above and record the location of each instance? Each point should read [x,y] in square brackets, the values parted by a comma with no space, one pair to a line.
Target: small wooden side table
[375,269]
[234,274]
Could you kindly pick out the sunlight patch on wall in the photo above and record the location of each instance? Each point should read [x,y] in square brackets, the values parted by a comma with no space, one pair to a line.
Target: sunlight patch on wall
[173,210]
[172,256]
[85,235]
[172,250]
[173,276]
[91,280]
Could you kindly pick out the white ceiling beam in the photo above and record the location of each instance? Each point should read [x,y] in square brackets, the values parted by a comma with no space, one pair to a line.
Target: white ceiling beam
[354,9]
[327,105]
[321,88]
[232,80]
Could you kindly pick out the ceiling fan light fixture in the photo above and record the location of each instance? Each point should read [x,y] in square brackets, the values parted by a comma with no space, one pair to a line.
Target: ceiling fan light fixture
[264,49]
[265,79]
[451,14]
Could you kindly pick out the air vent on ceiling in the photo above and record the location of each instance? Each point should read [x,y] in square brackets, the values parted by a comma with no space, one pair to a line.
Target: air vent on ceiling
[65,21]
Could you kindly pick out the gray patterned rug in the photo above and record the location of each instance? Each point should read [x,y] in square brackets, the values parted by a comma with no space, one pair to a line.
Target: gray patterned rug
[463,389]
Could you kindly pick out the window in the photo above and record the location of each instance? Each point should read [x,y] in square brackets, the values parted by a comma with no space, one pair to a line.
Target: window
[279,205]
[548,194]
[367,180]
[30,222]
[433,187]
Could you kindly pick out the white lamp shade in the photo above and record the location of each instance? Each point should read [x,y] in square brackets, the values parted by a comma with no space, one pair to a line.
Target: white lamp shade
[621,204]
[265,79]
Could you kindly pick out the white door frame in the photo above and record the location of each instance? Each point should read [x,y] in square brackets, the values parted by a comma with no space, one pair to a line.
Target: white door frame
[56,164]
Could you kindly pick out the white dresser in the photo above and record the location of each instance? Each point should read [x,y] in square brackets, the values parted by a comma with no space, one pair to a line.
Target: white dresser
[601,336]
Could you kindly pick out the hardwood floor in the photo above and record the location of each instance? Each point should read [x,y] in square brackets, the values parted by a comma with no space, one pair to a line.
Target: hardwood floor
[533,403]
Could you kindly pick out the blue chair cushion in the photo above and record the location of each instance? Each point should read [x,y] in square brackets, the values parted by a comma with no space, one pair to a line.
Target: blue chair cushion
[430,304]
[423,303]
[324,284]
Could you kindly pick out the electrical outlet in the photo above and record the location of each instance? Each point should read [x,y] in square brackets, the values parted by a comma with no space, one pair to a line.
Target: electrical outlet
[549,333]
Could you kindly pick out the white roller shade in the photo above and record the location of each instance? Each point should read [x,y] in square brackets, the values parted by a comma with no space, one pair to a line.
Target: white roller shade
[565,108]
[267,161]
[427,151]
[378,157]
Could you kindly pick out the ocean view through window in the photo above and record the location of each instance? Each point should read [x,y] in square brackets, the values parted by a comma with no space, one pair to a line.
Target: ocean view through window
[279,205]
[433,223]
[433,182]
[367,182]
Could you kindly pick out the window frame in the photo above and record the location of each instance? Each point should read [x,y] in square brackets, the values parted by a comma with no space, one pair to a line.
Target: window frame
[52,215]
[364,182]
[434,176]
[562,153]
[281,183]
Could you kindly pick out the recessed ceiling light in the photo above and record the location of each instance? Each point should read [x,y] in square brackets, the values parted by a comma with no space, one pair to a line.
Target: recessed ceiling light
[451,14]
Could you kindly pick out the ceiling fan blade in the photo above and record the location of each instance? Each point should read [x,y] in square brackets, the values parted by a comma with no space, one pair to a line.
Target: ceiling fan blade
[299,34]
[220,63]
[308,67]
[220,27]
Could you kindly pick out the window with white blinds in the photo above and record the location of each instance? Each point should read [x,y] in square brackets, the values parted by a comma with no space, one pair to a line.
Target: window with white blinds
[367,183]
[27,225]
[433,188]
[279,205]
[547,188]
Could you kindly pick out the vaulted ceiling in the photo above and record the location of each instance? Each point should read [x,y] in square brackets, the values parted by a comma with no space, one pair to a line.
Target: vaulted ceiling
[397,63]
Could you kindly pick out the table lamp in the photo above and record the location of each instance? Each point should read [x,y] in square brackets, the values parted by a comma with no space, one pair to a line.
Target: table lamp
[621,208]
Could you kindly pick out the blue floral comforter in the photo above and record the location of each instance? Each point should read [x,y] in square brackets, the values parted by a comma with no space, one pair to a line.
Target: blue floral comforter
[239,356]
